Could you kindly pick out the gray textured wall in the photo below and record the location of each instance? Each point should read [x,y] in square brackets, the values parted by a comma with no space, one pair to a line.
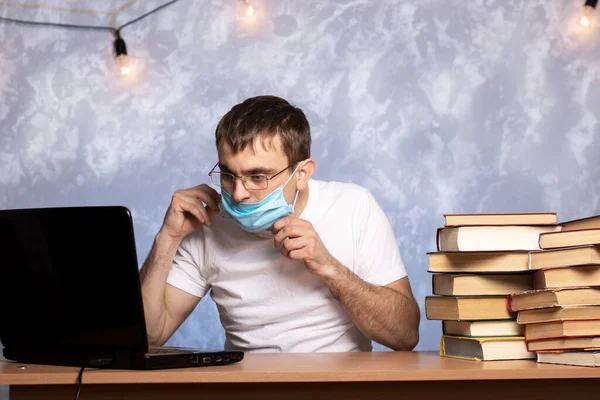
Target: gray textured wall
[435,106]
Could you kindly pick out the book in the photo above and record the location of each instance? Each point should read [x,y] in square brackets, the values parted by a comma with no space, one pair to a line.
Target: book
[580,237]
[482,328]
[579,358]
[556,329]
[587,275]
[467,308]
[491,238]
[578,343]
[564,257]
[485,349]
[535,218]
[582,223]
[473,285]
[558,314]
[553,297]
[479,261]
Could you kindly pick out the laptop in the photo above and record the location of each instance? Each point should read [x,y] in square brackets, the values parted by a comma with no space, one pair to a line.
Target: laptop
[70,293]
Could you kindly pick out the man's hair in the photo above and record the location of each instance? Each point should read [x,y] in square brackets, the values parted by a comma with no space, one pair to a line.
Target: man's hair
[265,117]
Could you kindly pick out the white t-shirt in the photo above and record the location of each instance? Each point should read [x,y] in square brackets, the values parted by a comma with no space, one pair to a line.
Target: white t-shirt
[268,303]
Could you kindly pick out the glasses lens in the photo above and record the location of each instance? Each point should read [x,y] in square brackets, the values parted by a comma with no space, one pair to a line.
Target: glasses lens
[215,178]
[222,179]
[226,180]
[250,182]
[256,182]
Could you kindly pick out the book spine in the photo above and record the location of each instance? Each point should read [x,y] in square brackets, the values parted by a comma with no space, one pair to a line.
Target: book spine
[437,239]
[509,303]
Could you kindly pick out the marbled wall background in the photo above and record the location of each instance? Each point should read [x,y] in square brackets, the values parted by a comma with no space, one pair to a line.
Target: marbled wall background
[435,106]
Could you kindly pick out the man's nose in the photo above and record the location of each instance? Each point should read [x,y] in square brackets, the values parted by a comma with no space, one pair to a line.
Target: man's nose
[240,193]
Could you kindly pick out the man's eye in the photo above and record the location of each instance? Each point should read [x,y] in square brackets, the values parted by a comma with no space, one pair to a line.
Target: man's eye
[257,178]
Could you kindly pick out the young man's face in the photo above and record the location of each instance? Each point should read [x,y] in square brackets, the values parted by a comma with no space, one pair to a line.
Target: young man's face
[264,156]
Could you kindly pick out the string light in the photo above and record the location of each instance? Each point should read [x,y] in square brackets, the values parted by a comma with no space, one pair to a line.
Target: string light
[120,48]
[121,55]
[588,9]
[249,8]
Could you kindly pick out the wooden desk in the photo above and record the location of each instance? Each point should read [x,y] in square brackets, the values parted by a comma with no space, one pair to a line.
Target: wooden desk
[402,375]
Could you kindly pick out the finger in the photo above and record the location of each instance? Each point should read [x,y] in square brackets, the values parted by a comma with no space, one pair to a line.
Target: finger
[289,231]
[298,254]
[192,206]
[213,195]
[210,199]
[198,212]
[291,220]
[290,245]
[277,226]
[191,198]
[208,190]
[292,227]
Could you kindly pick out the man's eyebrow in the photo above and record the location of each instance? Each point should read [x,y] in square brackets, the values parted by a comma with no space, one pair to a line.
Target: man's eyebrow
[224,168]
[251,171]
[259,170]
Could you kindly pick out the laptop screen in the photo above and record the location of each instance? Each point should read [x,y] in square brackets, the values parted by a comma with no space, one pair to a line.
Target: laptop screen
[69,280]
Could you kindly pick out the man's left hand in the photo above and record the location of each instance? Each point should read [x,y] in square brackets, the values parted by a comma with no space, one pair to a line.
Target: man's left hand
[299,241]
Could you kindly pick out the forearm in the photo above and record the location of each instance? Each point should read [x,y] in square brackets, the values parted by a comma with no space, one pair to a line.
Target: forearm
[381,313]
[153,277]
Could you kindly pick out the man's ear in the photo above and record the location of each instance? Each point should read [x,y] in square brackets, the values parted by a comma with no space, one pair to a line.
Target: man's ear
[305,172]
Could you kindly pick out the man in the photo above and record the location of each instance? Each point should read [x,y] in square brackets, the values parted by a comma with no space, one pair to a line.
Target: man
[293,264]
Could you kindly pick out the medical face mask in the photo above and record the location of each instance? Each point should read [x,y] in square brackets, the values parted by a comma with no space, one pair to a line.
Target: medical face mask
[259,216]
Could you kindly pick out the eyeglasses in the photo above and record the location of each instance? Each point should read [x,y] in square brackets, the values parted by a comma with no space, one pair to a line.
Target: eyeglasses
[226,180]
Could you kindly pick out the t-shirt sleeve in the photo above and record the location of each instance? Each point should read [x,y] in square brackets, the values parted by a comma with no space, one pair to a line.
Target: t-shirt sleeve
[378,260]
[185,271]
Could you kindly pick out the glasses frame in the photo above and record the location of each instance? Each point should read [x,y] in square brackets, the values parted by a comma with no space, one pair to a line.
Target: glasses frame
[243,178]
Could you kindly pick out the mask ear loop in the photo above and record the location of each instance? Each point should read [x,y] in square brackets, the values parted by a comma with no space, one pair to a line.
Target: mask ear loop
[295,170]
[297,191]
[295,198]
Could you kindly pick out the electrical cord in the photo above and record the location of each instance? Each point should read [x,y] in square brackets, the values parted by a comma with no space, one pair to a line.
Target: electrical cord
[116,31]
[55,24]
[147,14]
[79,383]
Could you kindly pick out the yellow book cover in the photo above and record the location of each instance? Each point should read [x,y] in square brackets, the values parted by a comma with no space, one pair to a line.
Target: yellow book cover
[485,348]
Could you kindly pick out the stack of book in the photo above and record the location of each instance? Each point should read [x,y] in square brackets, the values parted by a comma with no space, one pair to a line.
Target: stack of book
[561,315]
[480,260]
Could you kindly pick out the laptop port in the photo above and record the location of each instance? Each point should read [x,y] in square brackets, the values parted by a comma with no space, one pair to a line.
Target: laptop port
[225,358]
[194,359]
[218,359]
[206,360]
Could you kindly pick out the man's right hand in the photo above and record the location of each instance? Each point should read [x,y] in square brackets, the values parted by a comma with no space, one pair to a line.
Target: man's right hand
[189,209]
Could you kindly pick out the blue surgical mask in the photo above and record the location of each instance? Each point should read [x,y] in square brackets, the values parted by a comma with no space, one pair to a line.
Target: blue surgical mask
[259,216]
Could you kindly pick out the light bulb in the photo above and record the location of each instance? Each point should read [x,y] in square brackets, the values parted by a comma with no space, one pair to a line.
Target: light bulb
[584,21]
[249,8]
[124,64]
[586,18]
[123,61]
